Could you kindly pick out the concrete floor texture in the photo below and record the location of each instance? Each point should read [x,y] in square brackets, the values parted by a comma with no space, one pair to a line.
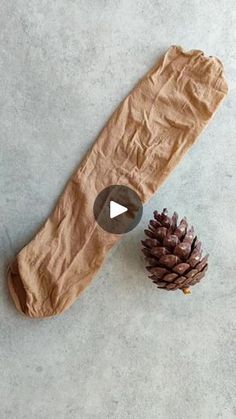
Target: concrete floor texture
[124,349]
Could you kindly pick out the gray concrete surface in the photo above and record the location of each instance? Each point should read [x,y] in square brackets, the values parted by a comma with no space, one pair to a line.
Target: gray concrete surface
[124,350]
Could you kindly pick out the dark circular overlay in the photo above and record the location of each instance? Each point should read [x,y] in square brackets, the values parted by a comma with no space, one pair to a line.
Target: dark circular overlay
[124,196]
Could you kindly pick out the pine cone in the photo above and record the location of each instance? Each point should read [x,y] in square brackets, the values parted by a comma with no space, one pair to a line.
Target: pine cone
[173,252]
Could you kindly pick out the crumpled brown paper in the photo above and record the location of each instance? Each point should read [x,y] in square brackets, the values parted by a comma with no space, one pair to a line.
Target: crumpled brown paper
[141,144]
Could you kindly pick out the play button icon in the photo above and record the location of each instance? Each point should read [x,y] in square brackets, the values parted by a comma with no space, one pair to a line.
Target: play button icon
[117,209]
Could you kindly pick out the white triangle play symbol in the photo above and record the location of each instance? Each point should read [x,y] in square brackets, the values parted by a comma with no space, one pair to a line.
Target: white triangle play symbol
[116,209]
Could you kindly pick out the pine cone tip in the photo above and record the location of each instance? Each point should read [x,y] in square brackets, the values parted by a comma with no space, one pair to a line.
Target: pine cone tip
[186,291]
